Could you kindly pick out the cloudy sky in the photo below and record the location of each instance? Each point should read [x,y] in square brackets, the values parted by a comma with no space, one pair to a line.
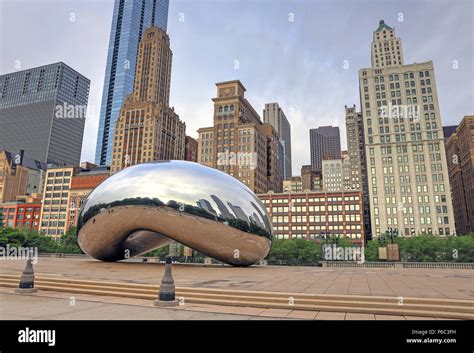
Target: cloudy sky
[290,52]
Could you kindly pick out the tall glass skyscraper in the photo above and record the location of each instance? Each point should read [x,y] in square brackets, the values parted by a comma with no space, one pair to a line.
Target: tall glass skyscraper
[43,111]
[130,19]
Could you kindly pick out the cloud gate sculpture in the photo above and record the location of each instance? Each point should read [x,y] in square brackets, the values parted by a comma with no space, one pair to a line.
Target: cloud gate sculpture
[150,205]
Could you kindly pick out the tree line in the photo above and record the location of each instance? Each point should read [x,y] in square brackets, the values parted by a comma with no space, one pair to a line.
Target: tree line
[422,248]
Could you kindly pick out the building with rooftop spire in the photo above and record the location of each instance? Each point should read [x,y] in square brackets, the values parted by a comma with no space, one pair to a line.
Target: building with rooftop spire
[407,173]
[386,47]
[129,22]
[148,129]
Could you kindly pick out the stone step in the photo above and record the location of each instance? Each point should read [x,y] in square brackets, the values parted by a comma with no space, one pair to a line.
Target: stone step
[262,301]
[283,296]
[250,298]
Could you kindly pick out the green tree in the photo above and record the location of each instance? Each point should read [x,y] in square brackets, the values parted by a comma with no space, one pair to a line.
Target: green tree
[295,250]
[68,242]
[21,237]
[160,252]
[427,248]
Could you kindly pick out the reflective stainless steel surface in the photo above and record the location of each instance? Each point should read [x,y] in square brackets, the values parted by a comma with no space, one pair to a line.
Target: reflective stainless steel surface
[150,205]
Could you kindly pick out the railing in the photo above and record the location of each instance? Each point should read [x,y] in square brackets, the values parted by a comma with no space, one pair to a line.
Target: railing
[456,265]
[293,263]
[209,261]
[447,265]
[62,255]
[176,259]
[358,264]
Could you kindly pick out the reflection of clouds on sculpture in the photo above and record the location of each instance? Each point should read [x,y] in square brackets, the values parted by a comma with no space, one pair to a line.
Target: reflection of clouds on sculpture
[184,187]
[181,184]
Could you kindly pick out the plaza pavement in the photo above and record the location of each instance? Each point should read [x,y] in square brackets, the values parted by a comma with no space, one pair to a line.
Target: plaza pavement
[420,283]
[47,305]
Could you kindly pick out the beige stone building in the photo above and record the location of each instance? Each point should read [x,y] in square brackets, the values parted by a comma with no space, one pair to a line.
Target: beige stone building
[82,184]
[336,174]
[294,184]
[309,180]
[147,128]
[65,191]
[386,47]
[206,146]
[406,165]
[273,114]
[56,200]
[19,176]
[238,143]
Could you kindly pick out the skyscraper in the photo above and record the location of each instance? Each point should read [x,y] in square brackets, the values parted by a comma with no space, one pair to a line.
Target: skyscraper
[130,20]
[386,47]
[238,143]
[448,131]
[43,111]
[205,146]
[147,128]
[406,165]
[460,156]
[325,143]
[356,148]
[274,115]
[357,160]
[274,176]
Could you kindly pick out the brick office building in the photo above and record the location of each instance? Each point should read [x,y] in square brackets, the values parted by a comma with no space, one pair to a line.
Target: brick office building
[314,215]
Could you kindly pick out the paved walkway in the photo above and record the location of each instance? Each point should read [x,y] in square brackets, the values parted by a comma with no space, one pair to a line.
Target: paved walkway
[48,306]
[424,283]
[45,305]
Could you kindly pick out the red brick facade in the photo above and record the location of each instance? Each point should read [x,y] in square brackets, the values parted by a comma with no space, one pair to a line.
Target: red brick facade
[25,215]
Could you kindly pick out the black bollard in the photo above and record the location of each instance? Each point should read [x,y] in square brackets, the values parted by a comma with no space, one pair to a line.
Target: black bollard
[27,281]
[166,296]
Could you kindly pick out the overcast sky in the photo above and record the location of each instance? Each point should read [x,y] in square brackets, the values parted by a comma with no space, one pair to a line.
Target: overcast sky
[290,52]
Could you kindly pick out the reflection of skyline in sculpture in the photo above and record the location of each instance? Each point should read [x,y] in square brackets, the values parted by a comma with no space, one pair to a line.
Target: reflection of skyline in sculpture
[266,223]
[206,205]
[238,212]
[254,218]
[221,206]
[146,206]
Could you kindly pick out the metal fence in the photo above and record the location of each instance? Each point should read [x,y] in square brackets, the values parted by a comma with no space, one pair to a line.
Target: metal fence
[358,264]
[447,265]
[456,265]
[209,261]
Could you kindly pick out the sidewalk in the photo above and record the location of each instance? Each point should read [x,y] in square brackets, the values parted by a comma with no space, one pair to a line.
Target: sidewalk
[410,282]
[46,305]
[40,307]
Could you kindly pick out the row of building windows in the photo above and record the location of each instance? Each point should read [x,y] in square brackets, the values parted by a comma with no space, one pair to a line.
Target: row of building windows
[313,236]
[311,199]
[317,218]
[21,209]
[412,232]
[322,208]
